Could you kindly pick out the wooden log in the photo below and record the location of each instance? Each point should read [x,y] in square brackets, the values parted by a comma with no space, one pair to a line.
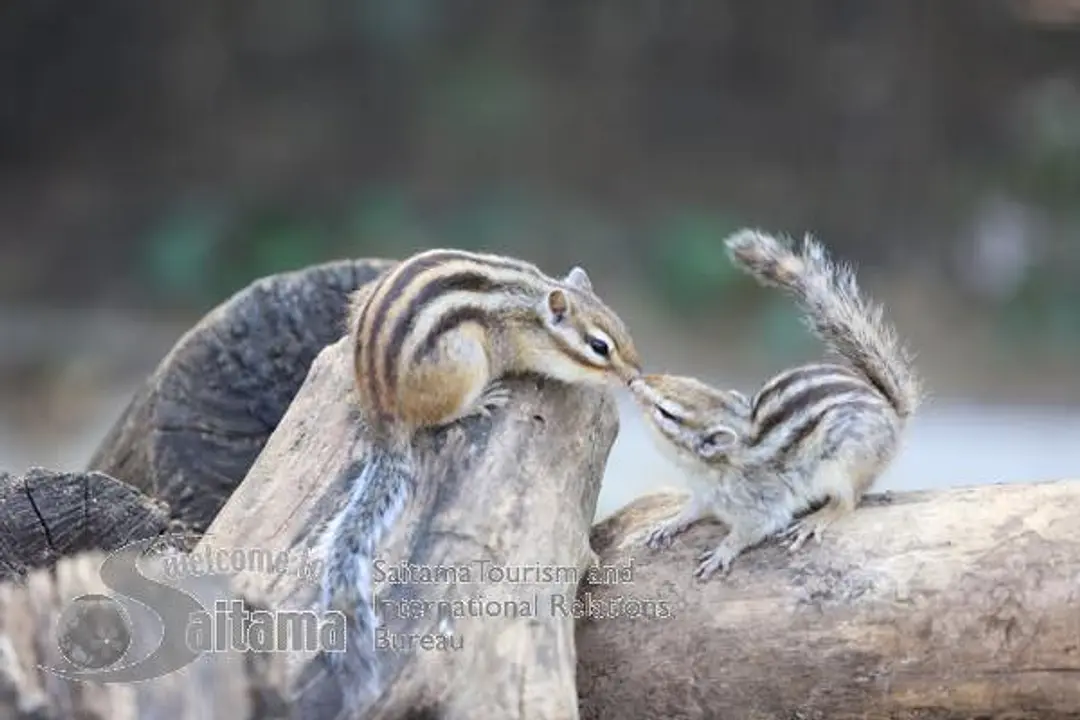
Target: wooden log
[46,515]
[949,604]
[53,615]
[193,430]
[518,489]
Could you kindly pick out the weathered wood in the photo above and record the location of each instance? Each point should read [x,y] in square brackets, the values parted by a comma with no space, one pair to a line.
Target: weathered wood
[193,430]
[949,604]
[46,515]
[34,619]
[518,489]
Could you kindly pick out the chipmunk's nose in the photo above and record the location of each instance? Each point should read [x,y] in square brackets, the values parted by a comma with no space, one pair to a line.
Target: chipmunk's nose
[627,372]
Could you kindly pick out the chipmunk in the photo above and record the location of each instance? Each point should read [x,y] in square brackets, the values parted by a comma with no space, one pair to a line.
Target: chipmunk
[817,432]
[432,337]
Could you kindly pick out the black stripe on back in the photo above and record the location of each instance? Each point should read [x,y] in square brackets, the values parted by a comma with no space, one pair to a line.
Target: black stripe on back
[801,402]
[449,322]
[399,281]
[801,433]
[465,281]
[835,439]
[812,423]
[795,376]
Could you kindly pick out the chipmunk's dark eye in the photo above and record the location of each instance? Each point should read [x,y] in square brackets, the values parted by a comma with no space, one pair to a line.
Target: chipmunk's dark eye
[721,441]
[665,414]
[599,346]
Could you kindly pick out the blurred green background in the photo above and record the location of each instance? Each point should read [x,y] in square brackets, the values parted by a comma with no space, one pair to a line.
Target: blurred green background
[156,157]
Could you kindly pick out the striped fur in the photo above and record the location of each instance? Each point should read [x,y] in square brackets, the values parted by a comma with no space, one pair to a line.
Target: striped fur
[787,411]
[400,303]
[429,297]
[819,432]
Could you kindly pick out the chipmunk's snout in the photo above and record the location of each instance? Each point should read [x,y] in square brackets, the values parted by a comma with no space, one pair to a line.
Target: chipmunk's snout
[642,390]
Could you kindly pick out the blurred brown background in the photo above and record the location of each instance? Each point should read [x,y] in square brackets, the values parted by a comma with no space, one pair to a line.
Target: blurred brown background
[156,157]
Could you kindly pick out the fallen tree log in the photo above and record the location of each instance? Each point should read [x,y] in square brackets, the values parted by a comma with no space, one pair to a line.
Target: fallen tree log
[193,429]
[947,604]
[516,490]
[46,515]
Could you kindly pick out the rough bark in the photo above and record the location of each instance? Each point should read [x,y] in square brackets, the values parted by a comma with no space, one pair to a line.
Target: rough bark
[192,431]
[46,515]
[33,618]
[947,604]
[517,489]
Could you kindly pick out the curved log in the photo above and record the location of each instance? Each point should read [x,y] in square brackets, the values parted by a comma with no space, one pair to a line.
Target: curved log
[193,430]
[46,515]
[947,604]
[518,489]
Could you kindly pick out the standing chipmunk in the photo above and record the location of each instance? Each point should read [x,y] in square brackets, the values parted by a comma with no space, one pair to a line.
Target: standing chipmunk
[432,337]
[816,432]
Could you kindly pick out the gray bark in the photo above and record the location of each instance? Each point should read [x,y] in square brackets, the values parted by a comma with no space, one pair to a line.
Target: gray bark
[47,515]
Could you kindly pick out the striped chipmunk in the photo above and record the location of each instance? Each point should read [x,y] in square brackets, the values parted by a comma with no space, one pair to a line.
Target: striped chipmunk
[432,338]
[819,432]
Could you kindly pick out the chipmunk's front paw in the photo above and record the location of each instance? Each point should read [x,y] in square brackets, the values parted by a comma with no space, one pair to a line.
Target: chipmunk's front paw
[811,526]
[662,535]
[714,563]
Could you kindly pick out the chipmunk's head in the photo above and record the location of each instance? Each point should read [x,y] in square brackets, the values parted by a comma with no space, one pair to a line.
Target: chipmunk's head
[589,342]
[692,422]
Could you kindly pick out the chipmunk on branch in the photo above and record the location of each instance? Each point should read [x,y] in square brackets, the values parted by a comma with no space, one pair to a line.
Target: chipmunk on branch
[822,431]
[432,337]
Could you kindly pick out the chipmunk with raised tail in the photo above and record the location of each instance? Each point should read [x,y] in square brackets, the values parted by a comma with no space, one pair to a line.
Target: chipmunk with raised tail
[432,337]
[819,432]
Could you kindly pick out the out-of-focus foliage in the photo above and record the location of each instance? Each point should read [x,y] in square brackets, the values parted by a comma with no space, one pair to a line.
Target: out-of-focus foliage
[692,267]
[630,136]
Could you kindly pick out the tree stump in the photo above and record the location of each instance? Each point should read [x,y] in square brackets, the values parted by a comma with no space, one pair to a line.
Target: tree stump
[518,489]
[47,515]
[195,427]
[946,604]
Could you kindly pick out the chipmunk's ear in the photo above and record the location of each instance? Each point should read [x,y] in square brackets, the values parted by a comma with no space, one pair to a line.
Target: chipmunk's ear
[577,277]
[556,306]
[738,397]
[716,440]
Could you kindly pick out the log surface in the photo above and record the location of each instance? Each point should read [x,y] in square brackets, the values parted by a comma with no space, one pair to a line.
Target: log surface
[194,428]
[946,604]
[518,489]
[46,515]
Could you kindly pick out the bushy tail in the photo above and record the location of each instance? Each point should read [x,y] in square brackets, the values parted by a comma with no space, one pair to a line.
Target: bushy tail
[835,311]
[375,502]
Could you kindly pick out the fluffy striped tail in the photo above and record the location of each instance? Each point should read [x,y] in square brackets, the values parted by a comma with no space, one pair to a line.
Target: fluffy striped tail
[835,311]
[375,502]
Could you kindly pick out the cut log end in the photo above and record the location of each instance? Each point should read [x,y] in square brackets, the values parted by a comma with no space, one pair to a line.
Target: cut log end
[48,515]
[193,430]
